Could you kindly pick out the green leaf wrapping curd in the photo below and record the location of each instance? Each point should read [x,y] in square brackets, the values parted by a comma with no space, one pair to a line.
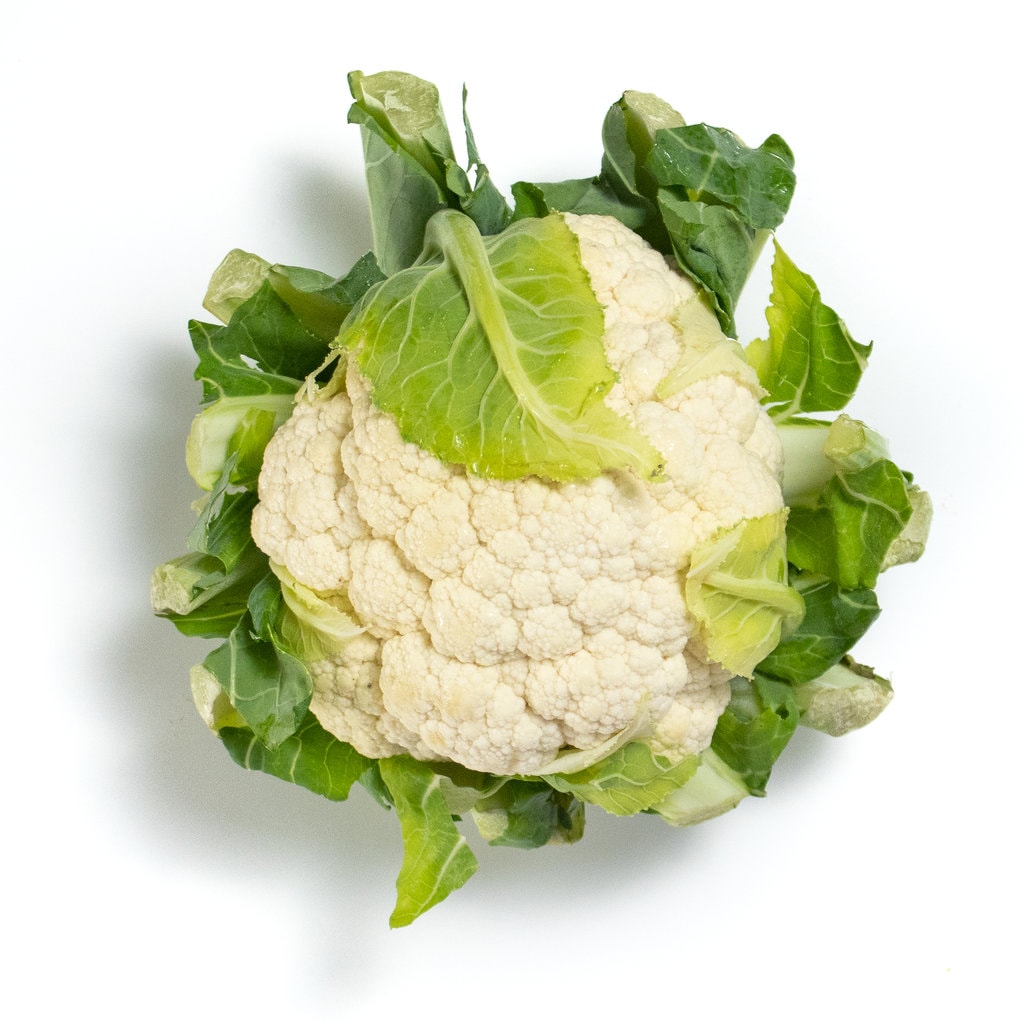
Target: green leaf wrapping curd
[489,354]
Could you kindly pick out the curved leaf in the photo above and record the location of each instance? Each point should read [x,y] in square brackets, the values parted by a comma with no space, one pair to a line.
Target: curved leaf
[489,353]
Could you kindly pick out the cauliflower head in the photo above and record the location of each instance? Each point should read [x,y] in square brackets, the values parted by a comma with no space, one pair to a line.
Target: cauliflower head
[506,621]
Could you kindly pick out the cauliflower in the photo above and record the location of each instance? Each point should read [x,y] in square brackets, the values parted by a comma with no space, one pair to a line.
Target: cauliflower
[503,524]
[507,620]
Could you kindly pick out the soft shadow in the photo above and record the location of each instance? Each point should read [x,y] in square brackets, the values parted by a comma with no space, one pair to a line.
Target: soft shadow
[174,789]
[326,212]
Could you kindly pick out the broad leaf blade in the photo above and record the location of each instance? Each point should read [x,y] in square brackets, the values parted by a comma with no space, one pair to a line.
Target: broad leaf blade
[848,533]
[489,353]
[437,859]
[712,165]
[311,757]
[809,362]
[834,620]
[264,349]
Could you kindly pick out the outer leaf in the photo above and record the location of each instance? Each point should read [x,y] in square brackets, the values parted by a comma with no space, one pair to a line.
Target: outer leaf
[481,201]
[719,200]
[269,687]
[713,789]
[580,195]
[320,303]
[848,532]
[406,149]
[809,362]
[713,247]
[200,597]
[527,814]
[631,779]
[489,354]
[222,526]
[754,729]
[629,132]
[311,757]
[205,592]
[736,587]
[437,858]
[833,621]
[712,165]
[263,350]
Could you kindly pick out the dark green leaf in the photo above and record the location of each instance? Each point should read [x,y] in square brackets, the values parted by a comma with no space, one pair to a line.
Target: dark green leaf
[847,533]
[406,150]
[714,247]
[710,165]
[320,303]
[222,526]
[834,619]
[268,687]
[264,349]
[528,814]
[755,727]
[311,757]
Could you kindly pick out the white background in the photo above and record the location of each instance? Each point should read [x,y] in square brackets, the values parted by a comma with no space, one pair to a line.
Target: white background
[147,877]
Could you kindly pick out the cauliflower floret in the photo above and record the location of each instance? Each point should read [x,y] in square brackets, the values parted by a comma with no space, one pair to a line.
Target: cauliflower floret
[508,620]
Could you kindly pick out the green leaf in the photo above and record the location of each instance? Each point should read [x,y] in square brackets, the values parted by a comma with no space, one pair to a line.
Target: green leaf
[809,362]
[321,303]
[312,625]
[406,150]
[755,728]
[200,597]
[311,757]
[714,248]
[711,165]
[263,350]
[834,620]
[527,814]
[630,780]
[719,201]
[624,188]
[481,201]
[205,592]
[580,196]
[269,687]
[437,859]
[736,588]
[628,133]
[222,527]
[489,353]
[849,503]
